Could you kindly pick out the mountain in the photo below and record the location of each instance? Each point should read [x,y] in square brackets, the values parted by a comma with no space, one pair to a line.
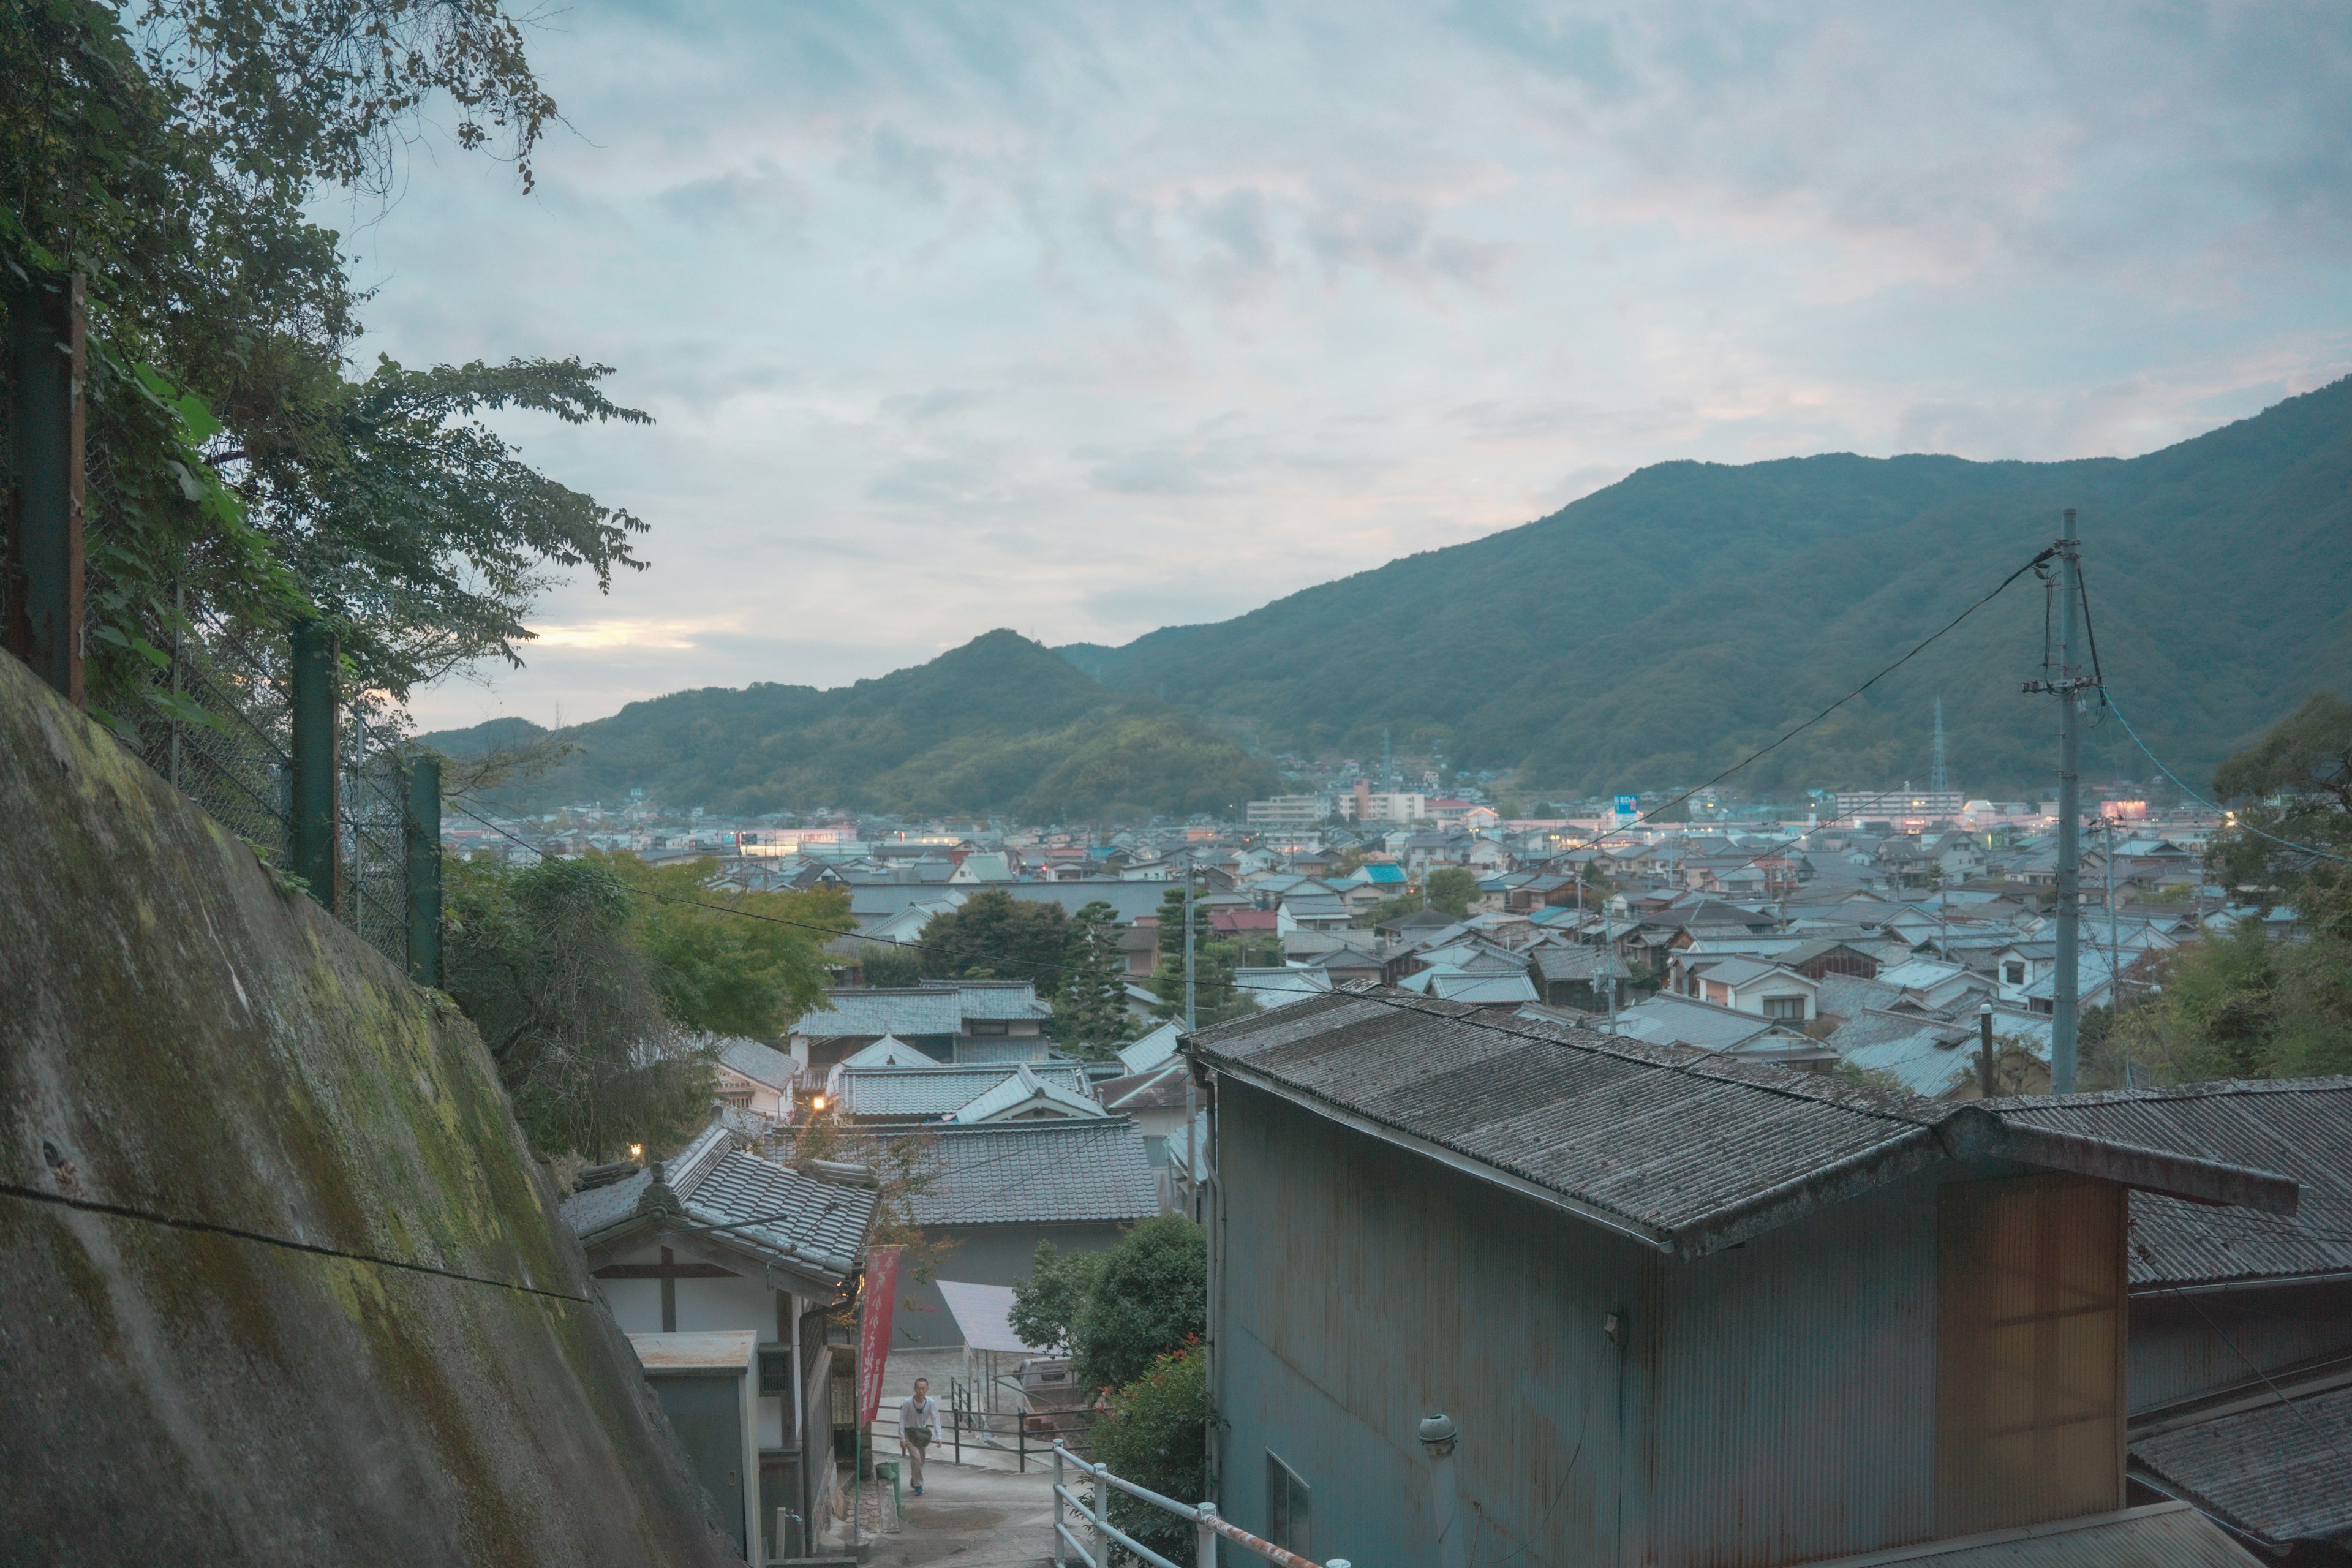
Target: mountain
[999,724]
[1654,631]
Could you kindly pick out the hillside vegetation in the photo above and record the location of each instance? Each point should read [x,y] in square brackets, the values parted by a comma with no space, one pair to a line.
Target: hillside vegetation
[1656,631]
[999,724]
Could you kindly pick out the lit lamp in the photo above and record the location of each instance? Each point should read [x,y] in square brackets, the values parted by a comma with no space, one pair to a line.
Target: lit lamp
[636,1151]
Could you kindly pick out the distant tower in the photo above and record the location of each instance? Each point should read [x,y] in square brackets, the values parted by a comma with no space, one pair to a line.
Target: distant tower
[1942,780]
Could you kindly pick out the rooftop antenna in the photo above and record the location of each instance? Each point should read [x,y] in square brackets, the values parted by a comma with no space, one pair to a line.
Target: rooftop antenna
[1942,782]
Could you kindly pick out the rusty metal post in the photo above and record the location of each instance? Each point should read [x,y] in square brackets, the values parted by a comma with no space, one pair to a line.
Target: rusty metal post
[48,361]
[1985,1078]
[313,829]
[1205,1538]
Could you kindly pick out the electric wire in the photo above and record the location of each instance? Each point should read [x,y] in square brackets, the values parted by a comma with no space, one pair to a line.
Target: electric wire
[2243,826]
[2108,698]
[1916,649]
[213,1228]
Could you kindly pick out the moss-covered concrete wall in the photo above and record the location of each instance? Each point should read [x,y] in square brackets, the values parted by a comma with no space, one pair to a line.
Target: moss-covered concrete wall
[180,1037]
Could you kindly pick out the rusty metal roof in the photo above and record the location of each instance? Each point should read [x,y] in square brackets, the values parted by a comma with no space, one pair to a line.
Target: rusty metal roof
[2300,1127]
[1686,1150]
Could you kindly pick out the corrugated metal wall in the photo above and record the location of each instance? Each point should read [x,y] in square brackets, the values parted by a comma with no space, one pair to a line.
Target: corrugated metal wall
[1795,1383]
[2030,1330]
[2183,1346]
[1365,1288]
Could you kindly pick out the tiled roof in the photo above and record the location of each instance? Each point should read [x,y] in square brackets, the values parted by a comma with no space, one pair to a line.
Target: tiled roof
[931,1092]
[761,1064]
[2301,1127]
[1002,999]
[1149,1050]
[1578,962]
[880,1010]
[1688,1150]
[817,1228]
[1016,1172]
[1021,1087]
[931,1009]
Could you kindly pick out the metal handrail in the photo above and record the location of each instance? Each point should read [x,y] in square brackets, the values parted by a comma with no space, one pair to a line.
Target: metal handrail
[1202,1516]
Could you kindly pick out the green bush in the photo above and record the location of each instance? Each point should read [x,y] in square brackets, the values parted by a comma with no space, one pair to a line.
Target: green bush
[1151,1297]
[1157,1437]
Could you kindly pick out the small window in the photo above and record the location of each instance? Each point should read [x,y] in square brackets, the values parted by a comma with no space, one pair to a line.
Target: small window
[1784,1007]
[989,1026]
[1289,1507]
[2013,972]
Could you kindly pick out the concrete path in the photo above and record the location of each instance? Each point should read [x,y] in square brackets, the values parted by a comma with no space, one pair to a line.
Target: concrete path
[970,1517]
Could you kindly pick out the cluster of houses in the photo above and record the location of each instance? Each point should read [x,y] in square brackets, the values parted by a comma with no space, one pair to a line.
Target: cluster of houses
[939,1110]
[1650,1208]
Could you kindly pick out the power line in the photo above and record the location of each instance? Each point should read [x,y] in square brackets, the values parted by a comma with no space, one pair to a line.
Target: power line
[2168,772]
[177,1222]
[1917,648]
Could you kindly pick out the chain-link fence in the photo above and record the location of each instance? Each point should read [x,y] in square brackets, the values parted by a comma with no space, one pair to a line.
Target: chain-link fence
[215,724]
[218,720]
[373,791]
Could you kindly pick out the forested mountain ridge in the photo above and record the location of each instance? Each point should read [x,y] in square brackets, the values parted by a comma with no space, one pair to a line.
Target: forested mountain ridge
[999,724]
[1657,630]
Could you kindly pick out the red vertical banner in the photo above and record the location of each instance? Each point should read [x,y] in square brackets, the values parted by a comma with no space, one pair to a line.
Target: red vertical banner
[874,1327]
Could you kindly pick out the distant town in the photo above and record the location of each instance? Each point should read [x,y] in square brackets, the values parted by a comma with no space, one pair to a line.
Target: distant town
[1858,930]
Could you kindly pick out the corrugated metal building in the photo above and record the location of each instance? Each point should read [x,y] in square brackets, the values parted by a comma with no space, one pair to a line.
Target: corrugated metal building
[1681,1309]
[2241,1359]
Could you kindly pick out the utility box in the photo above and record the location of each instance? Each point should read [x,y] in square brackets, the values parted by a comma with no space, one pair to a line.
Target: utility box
[707,1386]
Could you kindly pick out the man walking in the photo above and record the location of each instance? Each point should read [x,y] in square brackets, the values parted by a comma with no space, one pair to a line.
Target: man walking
[919,1419]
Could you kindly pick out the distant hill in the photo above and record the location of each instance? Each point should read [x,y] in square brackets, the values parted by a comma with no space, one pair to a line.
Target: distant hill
[1655,631]
[999,724]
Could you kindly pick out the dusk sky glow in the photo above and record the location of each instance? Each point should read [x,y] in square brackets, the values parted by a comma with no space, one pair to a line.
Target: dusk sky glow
[1083,319]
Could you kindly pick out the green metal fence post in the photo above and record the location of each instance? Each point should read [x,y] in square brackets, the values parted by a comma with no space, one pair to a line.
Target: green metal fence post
[312,833]
[424,835]
[46,361]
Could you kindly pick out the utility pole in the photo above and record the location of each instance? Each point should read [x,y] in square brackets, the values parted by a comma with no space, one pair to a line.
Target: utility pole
[1985,1076]
[1188,941]
[2067,987]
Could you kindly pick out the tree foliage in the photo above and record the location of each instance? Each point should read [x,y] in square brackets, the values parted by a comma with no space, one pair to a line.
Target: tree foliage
[1151,1297]
[1090,1014]
[1760,593]
[544,961]
[890,967]
[1451,888]
[2240,1004]
[172,151]
[726,961]
[595,981]
[2294,783]
[995,936]
[999,724]
[1156,1436]
[1047,1305]
[1216,997]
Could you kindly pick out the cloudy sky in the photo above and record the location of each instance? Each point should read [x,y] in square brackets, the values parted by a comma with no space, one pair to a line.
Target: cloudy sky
[1087,319]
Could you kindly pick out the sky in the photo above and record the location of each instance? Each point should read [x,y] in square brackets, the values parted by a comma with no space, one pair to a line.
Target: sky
[1087,319]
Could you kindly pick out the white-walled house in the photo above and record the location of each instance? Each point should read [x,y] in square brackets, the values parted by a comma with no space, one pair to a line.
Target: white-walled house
[1751,985]
[717,1242]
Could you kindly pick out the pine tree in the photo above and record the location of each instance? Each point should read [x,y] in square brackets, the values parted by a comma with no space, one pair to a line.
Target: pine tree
[1090,1013]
